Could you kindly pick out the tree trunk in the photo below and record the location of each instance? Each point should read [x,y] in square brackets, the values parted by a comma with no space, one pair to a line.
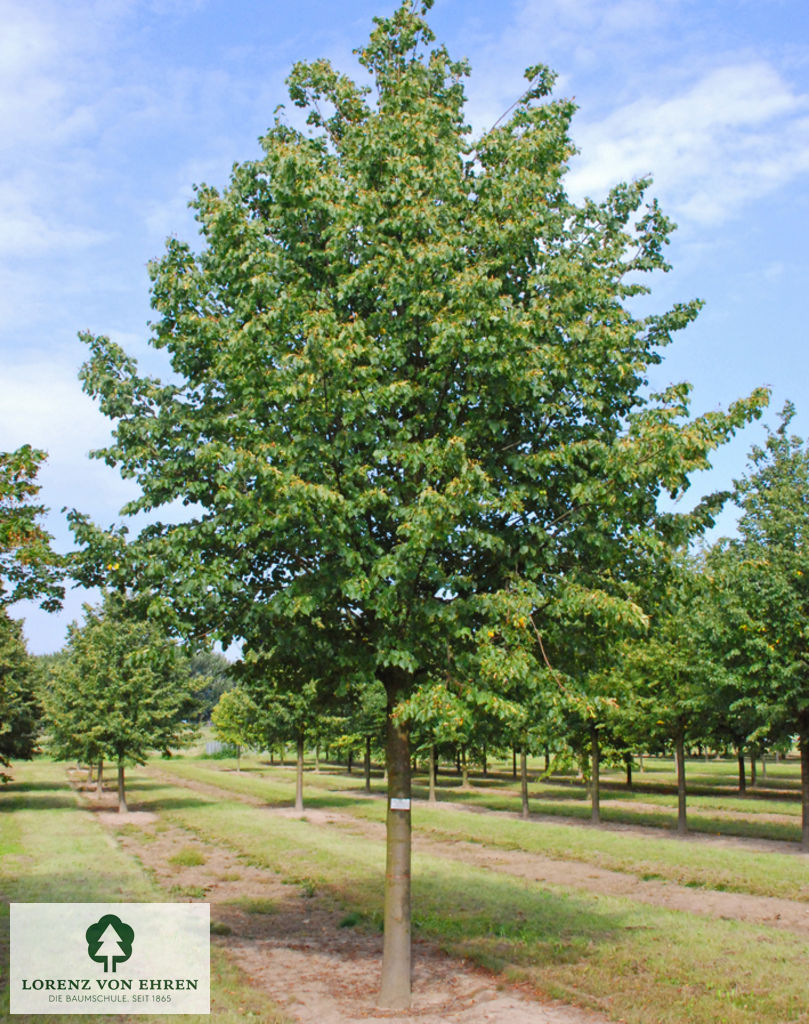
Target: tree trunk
[803,741]
[122,808]
[299,773]
[367,764]
[524,783]
[485,763]
[395,990]
[238,758]
[432,797]
[317,757]
[628,765]
[464,769]
[547,760]
[742,779]
[100,777]
[350,761]
[596,767]
[679,742]
[753,778]
[514,762]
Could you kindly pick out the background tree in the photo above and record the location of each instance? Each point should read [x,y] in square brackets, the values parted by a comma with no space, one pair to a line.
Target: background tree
[773,575]
[123,691]
[235,720]
[405,380]
[29,569]
[214,671]
[20,711]
[671,669]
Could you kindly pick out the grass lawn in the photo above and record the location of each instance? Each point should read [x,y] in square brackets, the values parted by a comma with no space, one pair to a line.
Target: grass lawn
[633,961]
[698,865]
[54,853]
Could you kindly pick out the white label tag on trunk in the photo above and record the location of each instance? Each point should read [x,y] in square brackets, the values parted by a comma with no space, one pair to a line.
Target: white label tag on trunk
[398,804]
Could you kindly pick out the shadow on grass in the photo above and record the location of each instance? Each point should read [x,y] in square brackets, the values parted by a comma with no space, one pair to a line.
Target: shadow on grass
[44,801]
[28,787]
[158,804]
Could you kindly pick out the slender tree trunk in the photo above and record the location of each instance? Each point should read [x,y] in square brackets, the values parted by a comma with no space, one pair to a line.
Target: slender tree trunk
[628,765]
[317,757]
[742,779]
[679,742]
[464,769]
[803,741]
[753,777]
[122,808]
[299,772]
[395,990]
[485,763]
[547,759]
[350,761]
[100,777]
[514,762]
[432,797]
[596,768]
[238,758]
[524,783]
[367,764]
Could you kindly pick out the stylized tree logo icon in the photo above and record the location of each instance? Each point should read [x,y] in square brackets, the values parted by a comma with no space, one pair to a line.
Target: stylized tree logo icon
[109,941]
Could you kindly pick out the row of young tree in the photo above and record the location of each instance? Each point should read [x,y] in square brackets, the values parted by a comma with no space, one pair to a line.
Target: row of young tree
[410,421]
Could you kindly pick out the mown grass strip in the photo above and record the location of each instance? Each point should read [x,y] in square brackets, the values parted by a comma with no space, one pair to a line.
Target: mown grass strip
[695,864]
[55,853]
[641,964]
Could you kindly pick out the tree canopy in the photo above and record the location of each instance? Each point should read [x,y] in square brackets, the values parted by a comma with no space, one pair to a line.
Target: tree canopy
[407,394]
[29,569]
[122,690]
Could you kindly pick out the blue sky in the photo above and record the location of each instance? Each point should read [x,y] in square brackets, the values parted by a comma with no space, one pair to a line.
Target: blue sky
[110,110]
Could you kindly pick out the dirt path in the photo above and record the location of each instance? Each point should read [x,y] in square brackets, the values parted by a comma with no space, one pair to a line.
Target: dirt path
[294,945]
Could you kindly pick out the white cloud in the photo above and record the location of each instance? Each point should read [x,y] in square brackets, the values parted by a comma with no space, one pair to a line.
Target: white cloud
[737,134]
[43,405]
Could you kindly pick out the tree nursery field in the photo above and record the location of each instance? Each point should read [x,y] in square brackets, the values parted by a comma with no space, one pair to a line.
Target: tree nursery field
[544,919]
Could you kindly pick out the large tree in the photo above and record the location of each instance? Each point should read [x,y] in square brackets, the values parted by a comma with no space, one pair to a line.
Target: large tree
[405,382]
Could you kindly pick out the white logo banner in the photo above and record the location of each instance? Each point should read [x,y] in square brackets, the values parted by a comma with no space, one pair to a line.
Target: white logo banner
[110,958]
